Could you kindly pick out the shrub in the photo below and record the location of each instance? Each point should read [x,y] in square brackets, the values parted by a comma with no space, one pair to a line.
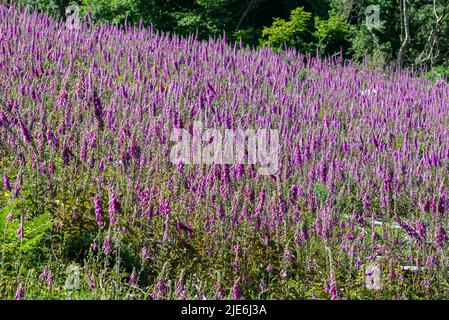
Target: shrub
[292,33]
[333,34]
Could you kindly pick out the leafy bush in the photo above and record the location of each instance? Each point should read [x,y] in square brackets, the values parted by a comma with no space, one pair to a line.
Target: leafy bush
[292,33]
[119,11]
[333,34]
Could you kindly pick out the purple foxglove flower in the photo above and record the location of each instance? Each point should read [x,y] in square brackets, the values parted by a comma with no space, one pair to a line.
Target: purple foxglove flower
[18,186]
[426,283]
[283,274]
[219,294]
[24,131]
[333,288]
[422,231]
[236,291]
[20,293]
[44,274]
[114,207]
[50,280]
[144,254]
[161,288]
[431,261]
[181,291]
[288,257]
[133,278]
[240,170]
[293,193]
[20,231]
[220,213]
[6,183]
[238,250]
[440,236]
[98,211]
[107,246]
[65,154]
[411,233]
[98,109]
[236,266]
[91,282]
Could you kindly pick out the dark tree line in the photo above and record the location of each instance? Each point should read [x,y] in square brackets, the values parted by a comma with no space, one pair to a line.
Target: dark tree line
[411,32]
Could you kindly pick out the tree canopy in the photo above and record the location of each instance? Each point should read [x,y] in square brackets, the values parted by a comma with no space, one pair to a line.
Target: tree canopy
[410,32]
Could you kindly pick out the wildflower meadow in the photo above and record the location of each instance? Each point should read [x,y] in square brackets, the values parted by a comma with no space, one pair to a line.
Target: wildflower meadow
[96,201]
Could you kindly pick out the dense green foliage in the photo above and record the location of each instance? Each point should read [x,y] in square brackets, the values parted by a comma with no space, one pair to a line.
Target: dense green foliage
[292,33]
[327,25]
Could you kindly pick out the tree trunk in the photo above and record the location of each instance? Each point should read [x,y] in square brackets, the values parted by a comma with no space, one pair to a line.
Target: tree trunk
[406,28]
[62,6]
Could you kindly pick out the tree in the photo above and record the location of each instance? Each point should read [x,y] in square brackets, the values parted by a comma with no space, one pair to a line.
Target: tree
[292,33]
[334,34]
[434,49]
[406,31]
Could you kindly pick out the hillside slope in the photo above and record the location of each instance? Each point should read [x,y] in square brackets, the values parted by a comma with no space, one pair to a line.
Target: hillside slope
[85,143]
